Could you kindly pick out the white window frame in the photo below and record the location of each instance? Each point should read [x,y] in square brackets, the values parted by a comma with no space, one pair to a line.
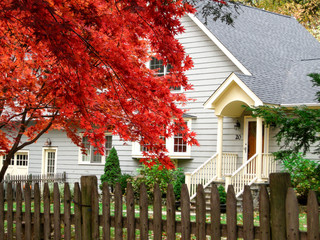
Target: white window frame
[80,162]
[165,72]
[15,159]
[136,153]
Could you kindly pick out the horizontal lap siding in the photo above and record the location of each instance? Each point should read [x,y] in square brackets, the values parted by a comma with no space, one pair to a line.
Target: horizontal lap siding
[211,68]
[68,157]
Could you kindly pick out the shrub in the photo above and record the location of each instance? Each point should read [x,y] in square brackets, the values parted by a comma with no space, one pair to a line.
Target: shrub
[123,180]
[162,176]
[223,194]
[112,169]
[177,184]
[305,175]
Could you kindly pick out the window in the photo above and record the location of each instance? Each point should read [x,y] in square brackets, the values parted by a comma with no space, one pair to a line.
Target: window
[146,148]
[180,145]
[19,159]
[162,70]
[176,146]
[91,153]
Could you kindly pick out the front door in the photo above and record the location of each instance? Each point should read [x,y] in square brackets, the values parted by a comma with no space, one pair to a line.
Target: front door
[250,138]
[49,164]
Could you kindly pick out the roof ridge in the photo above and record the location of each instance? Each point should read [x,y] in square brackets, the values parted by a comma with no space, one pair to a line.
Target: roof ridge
[263,10]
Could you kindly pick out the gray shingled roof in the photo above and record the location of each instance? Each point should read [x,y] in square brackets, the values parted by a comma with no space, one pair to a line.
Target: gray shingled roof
[273,48]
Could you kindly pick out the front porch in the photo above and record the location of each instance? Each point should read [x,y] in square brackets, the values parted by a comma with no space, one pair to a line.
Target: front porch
[254,162]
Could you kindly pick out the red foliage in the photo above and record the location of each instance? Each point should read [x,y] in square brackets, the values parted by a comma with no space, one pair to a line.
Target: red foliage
[80,64]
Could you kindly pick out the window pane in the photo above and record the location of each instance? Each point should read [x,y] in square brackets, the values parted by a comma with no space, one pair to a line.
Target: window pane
[180,145]
[51,157]
[108,144]
[96,157]
[86,157]
[22,159]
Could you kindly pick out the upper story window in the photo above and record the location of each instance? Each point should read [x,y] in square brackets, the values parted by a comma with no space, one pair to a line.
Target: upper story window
[162,70]
[91,153]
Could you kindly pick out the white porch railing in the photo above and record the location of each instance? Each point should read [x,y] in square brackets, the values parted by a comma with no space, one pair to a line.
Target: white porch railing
[207,172]
[229,163]
[269,165]
[245,175]
[204,175]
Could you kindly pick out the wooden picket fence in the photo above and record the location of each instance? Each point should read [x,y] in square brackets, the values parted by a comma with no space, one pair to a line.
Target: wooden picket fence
[86,223]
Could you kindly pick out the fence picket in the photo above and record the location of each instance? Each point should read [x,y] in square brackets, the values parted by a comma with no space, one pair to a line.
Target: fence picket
[264,213]
[56,212]
[157,213]
[200,213]
[313,216]
[10,211]
[27,199]
[95,212]
[185,213]
[67,212]
[215,212]
[118,212]
[46,212]
[130,213]
[106,211]
[143,212]
[1,211]
[231,214]
[18,212]
[248,228]
[77,211]
[37,222]
[171,214]
[292,215]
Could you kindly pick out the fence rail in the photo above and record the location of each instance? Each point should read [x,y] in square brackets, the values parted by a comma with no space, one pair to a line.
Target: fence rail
[87,223]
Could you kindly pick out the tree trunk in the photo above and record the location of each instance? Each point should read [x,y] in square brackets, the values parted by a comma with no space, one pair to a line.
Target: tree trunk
[6,164]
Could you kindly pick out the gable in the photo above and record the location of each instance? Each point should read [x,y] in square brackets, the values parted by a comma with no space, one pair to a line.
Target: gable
[228,99]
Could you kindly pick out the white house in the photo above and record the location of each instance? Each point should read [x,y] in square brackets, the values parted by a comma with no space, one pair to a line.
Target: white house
[263,59]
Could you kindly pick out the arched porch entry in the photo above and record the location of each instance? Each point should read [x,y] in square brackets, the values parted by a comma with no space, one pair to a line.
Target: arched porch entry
[229,100]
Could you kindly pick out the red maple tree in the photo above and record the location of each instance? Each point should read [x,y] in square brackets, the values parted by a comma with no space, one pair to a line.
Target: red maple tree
[80,64]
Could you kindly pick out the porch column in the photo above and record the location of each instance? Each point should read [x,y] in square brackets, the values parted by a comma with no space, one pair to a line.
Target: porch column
[219,147]
[259,149]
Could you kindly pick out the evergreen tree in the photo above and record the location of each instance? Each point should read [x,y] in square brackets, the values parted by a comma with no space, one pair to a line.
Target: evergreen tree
[112,170]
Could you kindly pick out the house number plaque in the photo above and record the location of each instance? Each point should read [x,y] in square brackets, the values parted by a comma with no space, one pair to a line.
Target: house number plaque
[238,137]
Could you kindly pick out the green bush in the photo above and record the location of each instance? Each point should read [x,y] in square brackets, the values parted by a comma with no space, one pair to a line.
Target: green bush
[223,194]
[305,175]
[112,170]
[162,176]
[123,180]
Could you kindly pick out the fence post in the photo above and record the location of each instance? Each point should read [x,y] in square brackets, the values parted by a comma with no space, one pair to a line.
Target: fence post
[87,183]
[279,184]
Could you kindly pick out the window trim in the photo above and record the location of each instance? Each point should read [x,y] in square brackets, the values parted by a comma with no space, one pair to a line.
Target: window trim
[136,153]
[80,162]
